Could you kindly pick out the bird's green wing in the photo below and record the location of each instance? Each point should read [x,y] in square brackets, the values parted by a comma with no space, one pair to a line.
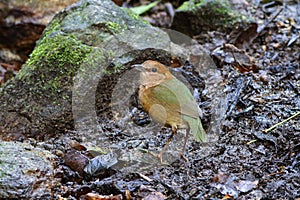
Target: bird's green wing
[196,128]
[177,96]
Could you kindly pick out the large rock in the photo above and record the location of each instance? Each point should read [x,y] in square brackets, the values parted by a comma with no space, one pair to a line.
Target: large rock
[83,43]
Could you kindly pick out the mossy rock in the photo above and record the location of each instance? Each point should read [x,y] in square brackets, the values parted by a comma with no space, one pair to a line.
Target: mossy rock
[197,16]
[84,43]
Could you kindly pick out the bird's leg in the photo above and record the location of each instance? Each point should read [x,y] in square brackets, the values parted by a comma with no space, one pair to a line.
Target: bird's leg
[184,145]
[160,155]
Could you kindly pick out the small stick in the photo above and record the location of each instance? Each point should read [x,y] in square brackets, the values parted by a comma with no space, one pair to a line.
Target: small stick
[145,177]
[269,129]
[252,141]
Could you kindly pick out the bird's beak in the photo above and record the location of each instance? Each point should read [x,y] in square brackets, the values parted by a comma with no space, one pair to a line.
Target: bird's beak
[138,67]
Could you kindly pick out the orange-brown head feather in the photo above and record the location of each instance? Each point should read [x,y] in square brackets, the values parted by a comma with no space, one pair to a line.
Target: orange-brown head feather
[154,73]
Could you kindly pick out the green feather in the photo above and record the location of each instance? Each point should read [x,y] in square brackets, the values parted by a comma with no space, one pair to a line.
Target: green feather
[179,97]
[168,91]
[196,128]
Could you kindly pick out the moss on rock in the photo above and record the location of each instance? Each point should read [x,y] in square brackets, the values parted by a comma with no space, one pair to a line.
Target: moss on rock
[60,52]
[196,16]
[38,101]
[82,44]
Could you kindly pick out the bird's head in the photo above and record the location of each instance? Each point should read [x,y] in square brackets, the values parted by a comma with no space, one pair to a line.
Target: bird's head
[153,73]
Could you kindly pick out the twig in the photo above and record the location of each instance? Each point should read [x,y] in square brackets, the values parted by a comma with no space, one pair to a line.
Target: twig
[269,129]
[145,177]
[252,141]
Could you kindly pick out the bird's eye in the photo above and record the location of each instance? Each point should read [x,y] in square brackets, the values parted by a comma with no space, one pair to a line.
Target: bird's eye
[153,69]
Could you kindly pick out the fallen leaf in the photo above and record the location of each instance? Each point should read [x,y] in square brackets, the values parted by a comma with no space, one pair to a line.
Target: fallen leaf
[93,196]
[246,37]
[144,8]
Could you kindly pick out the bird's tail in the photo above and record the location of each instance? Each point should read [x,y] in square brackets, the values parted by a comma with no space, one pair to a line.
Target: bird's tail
[197,129]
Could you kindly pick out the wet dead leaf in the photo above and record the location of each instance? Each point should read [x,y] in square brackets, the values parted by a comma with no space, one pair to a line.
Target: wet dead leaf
[76,161]
[245,38]
[155,196]
[76,145]
[293,39]
[237,58]
[99,165]
[227,196]
[93,196]
[246,186]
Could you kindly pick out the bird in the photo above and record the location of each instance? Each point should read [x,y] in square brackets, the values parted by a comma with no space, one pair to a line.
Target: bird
[168,101]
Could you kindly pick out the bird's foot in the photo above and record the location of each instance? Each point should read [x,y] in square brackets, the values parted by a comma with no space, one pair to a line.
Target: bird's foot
[159,156]
[184,158]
